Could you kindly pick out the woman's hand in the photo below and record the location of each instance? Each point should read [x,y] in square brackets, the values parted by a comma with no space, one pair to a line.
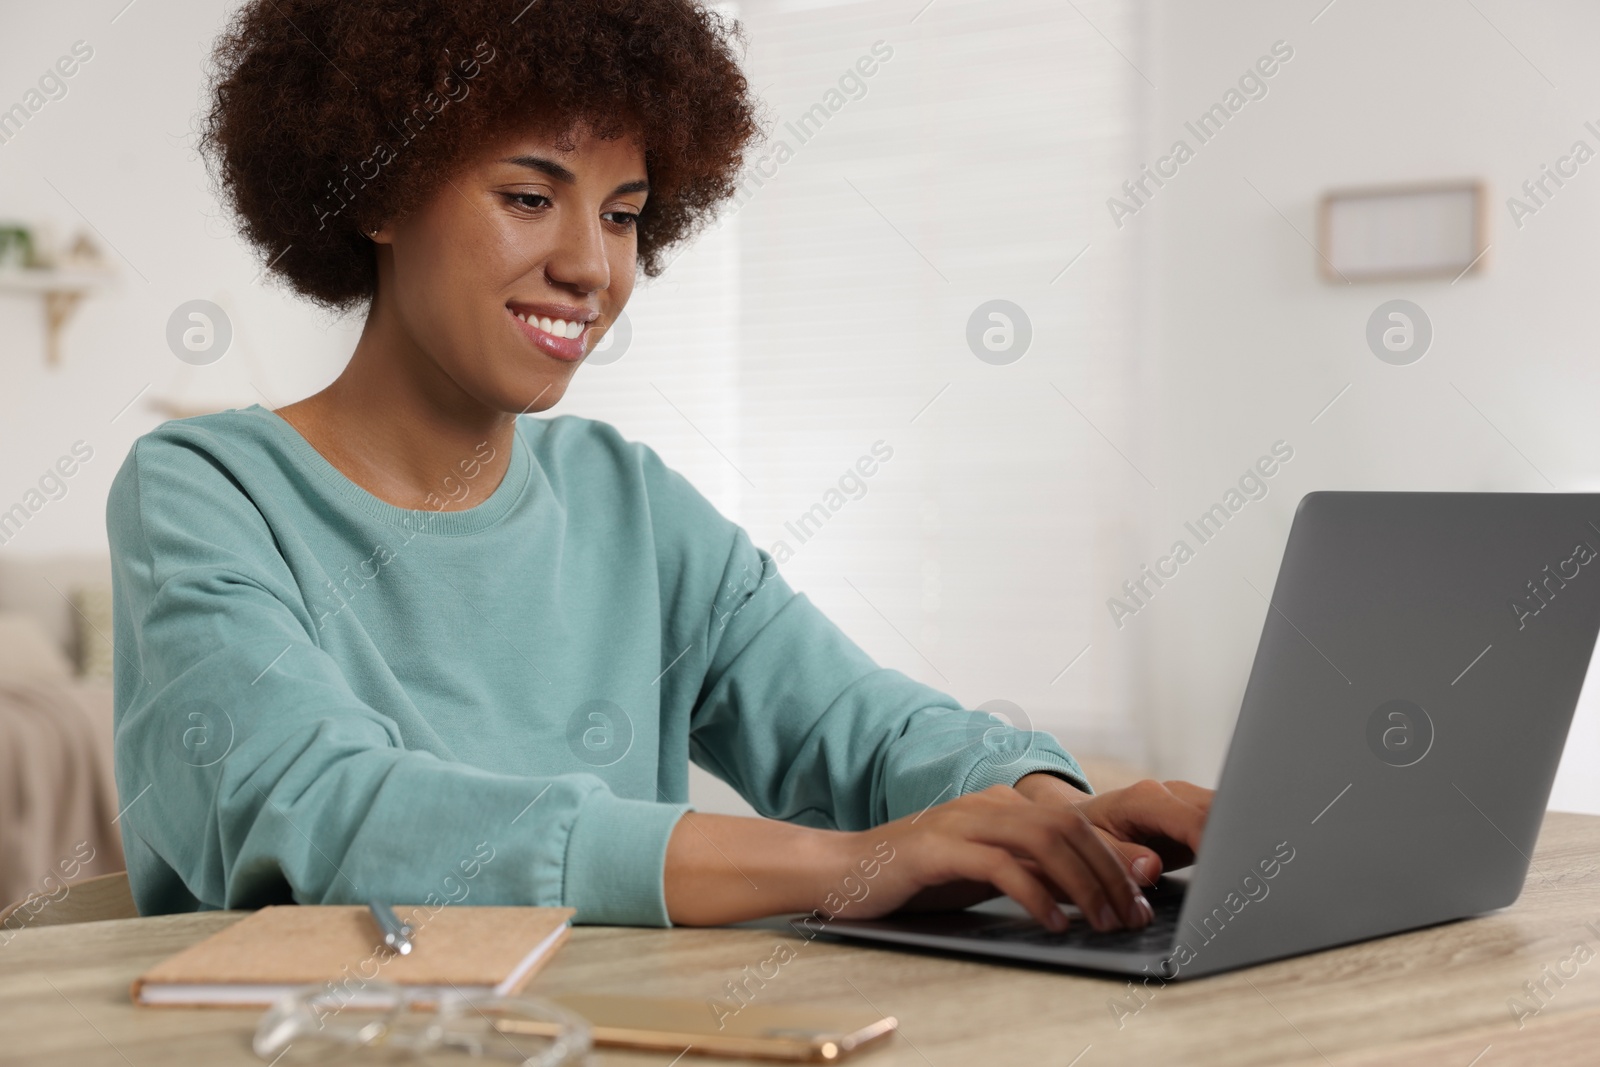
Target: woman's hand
[1154,826]
[1040,842]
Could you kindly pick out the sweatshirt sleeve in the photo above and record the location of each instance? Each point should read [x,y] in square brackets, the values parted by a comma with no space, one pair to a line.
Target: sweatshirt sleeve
[249,767]
[795,715]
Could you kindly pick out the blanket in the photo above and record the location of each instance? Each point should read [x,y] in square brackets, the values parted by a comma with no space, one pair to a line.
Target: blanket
[58,798]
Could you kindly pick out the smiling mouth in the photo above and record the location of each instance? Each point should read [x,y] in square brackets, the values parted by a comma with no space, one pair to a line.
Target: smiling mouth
[555,327]
[562,339]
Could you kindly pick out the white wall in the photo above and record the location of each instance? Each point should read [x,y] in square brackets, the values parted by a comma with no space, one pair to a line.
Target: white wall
[773,354]
[118,148]
[1238,342]
[1247,344]
[968,171]
[973,560]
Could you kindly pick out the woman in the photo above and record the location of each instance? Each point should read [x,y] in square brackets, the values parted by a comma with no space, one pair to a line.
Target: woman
[403,640]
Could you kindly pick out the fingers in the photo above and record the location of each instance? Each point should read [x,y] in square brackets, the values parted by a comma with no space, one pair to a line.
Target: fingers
[1006,873]
[1147,809]
[1190,793]
[1111,877]
[1068,850]
[1096,852]
[1144,863]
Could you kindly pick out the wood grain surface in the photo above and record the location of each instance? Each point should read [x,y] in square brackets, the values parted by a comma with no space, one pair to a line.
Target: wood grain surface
[1434,996]
[105,896]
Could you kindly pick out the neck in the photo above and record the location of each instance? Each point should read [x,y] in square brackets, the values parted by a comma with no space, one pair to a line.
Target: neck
[395,424]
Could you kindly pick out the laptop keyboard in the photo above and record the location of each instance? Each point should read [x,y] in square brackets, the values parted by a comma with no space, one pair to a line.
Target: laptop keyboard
[1158,935]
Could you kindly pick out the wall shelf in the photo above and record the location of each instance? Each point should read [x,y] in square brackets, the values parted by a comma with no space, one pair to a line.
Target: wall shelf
[63,288]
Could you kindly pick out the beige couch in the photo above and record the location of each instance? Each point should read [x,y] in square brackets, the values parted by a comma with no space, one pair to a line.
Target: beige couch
[58,798]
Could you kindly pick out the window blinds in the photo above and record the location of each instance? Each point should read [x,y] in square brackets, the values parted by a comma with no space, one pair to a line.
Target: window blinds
[807,362]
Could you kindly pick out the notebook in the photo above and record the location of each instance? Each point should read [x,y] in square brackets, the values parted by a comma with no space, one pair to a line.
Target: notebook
[284,948]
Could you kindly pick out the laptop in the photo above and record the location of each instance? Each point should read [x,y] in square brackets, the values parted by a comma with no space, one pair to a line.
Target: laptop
[1418,670]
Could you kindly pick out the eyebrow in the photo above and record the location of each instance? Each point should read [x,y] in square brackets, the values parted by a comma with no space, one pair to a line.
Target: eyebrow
[566,177]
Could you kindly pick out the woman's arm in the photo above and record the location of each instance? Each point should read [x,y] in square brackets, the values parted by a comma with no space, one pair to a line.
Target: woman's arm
[253,772]
[810,730]
[1039,842]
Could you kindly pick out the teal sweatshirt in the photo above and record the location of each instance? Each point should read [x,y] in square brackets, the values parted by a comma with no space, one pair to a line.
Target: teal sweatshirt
[323,698]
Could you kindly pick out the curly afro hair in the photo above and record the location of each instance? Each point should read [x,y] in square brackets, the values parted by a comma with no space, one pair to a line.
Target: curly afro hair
[332,117]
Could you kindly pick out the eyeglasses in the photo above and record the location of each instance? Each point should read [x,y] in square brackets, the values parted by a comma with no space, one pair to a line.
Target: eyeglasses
[318,1024]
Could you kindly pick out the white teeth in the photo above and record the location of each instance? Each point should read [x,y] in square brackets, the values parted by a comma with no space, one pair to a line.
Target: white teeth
[553,327]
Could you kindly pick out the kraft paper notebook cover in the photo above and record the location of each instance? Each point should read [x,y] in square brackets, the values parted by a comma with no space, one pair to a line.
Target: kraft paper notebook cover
[279,949]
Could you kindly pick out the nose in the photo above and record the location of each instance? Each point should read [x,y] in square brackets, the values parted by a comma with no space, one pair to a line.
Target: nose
[578,261]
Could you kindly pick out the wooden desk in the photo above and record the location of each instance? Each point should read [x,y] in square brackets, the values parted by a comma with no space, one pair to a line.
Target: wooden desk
[1436,996]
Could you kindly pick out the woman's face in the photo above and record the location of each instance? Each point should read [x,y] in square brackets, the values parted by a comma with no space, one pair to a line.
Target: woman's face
[511,273]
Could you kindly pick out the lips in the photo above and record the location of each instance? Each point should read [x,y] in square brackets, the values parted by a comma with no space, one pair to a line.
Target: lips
[547,326]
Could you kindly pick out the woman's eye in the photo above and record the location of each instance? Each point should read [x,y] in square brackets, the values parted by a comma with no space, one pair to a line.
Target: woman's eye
[538,201]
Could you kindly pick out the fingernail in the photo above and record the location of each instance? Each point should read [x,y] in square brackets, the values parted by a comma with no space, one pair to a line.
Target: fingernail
[1144,906]
[1108,918]
[1144,867]
[1056,921]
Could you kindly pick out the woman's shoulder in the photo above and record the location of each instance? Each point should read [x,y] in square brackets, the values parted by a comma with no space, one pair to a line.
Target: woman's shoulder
[254,435]
[195,471]
[220,434]
[217,444]
[237,428]
[227,449]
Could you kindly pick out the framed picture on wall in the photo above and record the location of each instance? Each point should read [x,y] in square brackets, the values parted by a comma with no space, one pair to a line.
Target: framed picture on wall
[1393,232]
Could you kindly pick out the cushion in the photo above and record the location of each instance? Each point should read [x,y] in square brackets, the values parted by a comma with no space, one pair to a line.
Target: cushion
[93,619]
[41,585]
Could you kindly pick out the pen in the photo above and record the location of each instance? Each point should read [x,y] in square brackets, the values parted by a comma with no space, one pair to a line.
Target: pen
[396,934]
